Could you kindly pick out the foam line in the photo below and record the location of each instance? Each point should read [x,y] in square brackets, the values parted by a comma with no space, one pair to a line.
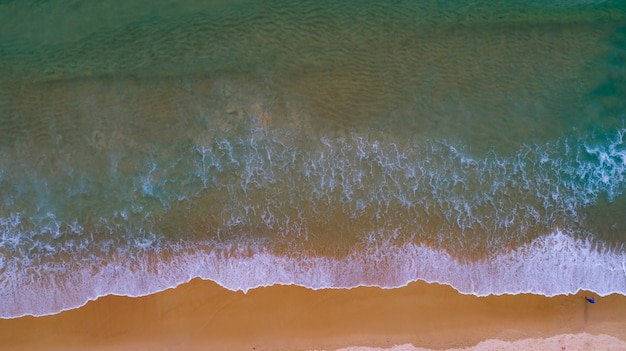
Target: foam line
[551,265]
[52,264]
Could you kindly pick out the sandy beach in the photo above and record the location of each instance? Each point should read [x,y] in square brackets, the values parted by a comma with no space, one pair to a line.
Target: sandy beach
[476,143]
[201,315]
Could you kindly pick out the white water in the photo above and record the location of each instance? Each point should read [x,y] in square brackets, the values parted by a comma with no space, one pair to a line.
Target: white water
[48,265]
[551,265]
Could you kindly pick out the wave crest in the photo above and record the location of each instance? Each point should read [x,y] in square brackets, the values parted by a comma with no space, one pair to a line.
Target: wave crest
[551,265]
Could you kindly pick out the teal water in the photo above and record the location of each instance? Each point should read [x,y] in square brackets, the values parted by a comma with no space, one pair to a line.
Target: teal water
[325,144]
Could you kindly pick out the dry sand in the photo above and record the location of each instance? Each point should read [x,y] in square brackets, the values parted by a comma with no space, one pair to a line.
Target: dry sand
[201,315]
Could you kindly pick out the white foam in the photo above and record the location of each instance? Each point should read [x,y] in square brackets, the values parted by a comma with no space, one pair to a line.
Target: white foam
[570,342]
[551,265]
[540,184]
[507,198]
[353,172]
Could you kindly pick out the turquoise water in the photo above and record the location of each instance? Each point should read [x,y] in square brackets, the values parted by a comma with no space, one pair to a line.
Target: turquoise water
[324,144]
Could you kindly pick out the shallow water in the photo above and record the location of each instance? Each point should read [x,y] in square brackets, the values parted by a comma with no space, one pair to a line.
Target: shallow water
[326,144]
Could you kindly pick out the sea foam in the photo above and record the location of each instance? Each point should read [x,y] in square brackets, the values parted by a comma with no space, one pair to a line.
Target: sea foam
[551,265]
[49,264]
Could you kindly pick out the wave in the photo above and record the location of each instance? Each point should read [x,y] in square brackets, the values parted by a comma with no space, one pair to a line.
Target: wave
[551,265]
[263,182]
[573,341]
[414,211]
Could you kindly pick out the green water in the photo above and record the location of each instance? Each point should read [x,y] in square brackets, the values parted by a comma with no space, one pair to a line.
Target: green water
[93,92]
[324,128]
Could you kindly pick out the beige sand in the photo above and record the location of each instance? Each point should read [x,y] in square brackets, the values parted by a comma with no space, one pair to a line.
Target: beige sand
[201,315]
[568,342]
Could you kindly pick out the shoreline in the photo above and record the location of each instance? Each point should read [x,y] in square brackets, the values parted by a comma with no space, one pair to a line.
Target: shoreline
[202,315]
[571,342]
[522,271]
[580,268]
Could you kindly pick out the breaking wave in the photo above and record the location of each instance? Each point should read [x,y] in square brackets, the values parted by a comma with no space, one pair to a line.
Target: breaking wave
[412,208]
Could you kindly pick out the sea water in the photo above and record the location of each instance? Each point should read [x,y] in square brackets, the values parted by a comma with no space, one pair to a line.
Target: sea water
[329,144]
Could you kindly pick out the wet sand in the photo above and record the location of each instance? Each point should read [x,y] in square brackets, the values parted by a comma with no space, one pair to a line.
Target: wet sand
[201,315]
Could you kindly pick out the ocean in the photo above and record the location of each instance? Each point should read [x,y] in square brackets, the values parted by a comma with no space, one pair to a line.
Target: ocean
[327,144]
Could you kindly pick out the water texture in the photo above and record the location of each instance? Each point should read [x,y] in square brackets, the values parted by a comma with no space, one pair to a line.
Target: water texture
[325,144]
